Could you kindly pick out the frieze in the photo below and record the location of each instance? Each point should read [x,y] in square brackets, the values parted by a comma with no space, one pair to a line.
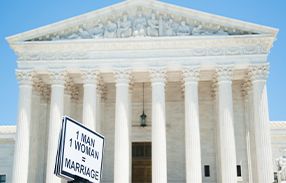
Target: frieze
[192,47]
[192,52]
[147,23]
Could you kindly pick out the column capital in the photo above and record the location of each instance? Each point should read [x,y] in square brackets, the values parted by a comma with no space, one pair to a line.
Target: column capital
[46,92]
[68,85]
[90,76]
[224,73]
[75,93]
[41,88]
[191,74]
[101,89]
[38,85]
[258,72]
[25,77]
[214,88]
[122,76]
[58,76]
[158,75]
[131,84]
[246,87]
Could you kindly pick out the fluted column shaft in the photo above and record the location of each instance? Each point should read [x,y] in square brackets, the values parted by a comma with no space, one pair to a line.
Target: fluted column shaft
[122,136]
[99,110]
[159,154]
[192,128]
[67,96]
[56,113]
[264,165]
[90,78]
[22,144]
[227,153]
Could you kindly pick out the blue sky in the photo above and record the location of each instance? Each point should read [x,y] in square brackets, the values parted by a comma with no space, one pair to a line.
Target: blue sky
[17,16]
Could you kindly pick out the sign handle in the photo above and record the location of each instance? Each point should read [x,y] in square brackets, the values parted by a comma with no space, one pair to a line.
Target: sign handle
[79,180]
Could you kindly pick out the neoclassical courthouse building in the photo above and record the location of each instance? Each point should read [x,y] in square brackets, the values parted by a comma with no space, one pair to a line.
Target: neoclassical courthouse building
[180,96]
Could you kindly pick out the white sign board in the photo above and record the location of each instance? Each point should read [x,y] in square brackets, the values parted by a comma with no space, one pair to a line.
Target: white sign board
[81,152]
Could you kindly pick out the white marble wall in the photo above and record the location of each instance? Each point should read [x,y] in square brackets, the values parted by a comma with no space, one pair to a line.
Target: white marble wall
[278,144]
[6,158]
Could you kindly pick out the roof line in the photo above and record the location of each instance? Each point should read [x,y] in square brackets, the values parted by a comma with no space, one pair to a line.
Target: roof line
[208,17]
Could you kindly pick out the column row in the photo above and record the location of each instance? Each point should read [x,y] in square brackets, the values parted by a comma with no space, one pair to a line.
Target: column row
[122,162]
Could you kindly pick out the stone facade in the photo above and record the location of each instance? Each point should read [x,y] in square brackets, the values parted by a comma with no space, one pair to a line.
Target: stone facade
[7,140]
[205,79]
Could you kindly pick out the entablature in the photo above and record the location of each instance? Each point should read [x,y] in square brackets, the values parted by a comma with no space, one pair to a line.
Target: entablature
[143,48]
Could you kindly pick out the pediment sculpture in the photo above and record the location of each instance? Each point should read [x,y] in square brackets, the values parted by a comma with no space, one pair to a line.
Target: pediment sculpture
[281,167]
[140,25]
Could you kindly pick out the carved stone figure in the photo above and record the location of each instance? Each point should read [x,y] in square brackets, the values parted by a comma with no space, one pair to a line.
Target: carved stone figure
[197,30]
[56,37]
[97,31]
[281,166]
[139,25]
[222,32]
[73,35]
[153,26]
[124,27]
[110,30]
[83,33]
[183,29]
[169,27]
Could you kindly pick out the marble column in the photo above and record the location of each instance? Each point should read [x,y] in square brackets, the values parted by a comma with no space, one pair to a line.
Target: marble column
[56,112]
[122,125]
[130,109]
[227,153]
[22,144]
[90,82]
[44,118]
[192,126]
[36,159]
[246,93]
[263,153]
[67,96]
[159,149]
[100,107]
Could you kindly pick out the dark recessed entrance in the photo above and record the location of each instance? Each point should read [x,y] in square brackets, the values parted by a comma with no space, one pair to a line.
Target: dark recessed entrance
[141,162]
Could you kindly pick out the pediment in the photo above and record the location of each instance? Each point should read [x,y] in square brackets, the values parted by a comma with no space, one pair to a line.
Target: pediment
[147,18]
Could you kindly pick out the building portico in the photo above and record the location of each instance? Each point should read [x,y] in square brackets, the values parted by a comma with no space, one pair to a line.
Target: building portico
[220,92]
[205,93]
